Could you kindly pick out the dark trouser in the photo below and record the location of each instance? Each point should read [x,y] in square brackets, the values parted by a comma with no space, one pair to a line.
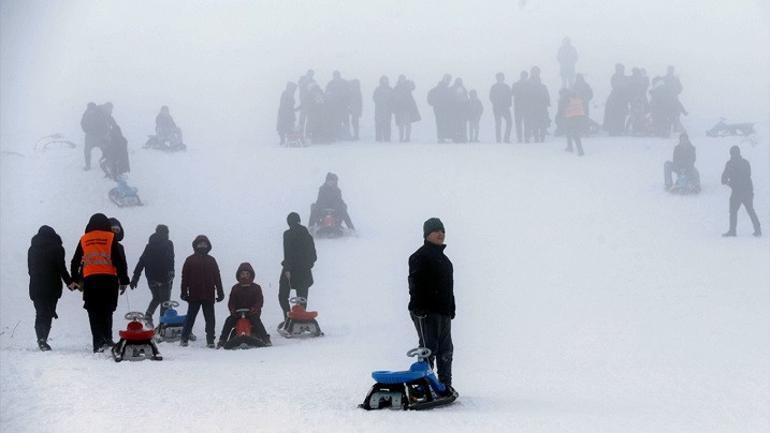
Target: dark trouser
[45,312]
[100,320]
[257,328]
[208,315]
[576,139]
[161,292]
[500,114]
[284,290]
[435,333]
[382,127]
[91,141]
[473,130]
[354,122]
[668,170]
[518,120]
[747,200]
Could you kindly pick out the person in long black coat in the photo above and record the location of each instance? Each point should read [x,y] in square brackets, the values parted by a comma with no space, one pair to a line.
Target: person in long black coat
[616,108]
[431,298]
[501,97]
[157,260]
[383,110]
[737,174]
[440,98]
[405,108]
[299,256]
[537,100]
[100,285]
[519,92]
[355,107]
[45,262]
[286,109]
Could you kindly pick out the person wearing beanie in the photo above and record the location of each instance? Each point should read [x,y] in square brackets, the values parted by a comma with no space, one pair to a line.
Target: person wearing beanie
[737,175]
[299,256]
[201,285]
[330,197]
[99,261]
[157,261]
[431,298]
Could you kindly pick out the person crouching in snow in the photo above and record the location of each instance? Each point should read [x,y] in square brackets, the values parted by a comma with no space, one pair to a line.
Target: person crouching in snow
[245,294]
[201,282]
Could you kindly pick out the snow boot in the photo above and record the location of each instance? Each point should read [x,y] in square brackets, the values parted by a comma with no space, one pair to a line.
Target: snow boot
[184,343]
[43,345]
[757,233]
[728,234]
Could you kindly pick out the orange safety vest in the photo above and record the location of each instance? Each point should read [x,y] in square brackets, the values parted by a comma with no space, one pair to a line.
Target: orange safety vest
[97,253]
[574,108]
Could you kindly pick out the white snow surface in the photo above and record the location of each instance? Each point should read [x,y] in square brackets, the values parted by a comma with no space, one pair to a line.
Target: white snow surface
[589,300]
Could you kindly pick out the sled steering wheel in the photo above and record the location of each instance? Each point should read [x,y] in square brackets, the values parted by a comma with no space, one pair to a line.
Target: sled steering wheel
[242,310]
[420,352]
[134,316]
[170,304]
[298,300]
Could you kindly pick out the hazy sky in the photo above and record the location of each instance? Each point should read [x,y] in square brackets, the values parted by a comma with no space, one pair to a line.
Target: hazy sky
[222,65]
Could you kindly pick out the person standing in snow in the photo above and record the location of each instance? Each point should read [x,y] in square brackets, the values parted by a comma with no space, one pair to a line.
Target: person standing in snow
[501,97]
[519,92]
[567,58]
[286,109]
[201,285]
[383,110]
[475,110]
[157,260]
[737,175]
[100,262]
[45,263]
[299,256]
[573,119]
[431,298]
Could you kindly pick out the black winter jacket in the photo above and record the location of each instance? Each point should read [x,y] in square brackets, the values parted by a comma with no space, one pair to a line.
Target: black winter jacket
[45,261]
[157,260]
[737,174]
[431,282]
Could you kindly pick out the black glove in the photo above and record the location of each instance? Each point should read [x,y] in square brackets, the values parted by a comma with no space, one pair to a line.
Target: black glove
[452,316]
[220,297]
[123,288]
[185,296]
[132,285]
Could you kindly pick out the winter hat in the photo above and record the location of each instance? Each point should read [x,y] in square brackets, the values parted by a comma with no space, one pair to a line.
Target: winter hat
[331,176]
[735,151]
[161,229]
[293,219]
[115,223]
[98,221]
[432,225]
[202,239]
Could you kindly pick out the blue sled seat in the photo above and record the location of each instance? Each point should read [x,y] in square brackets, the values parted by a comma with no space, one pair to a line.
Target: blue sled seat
[171,317]
[418,370]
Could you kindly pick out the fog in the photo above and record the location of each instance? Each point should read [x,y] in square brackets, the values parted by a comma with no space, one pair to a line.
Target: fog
[221,66]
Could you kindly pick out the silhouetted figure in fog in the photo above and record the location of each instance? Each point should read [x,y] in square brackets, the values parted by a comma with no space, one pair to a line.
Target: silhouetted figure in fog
[405,108]
[355,107]
[304,84]
[475,110]
[665,107]
[501,97]
[330,197]
[674,86]
[737,175]
[165,127]
[537,101]
[584,92]
[337,101]
[458,112]
[638,122]
[616,109]
[567,58]
[519,92]
[319,119]
[574,122]
[383,111]
[96,128]
[440,98]
[286,109]
[682,163]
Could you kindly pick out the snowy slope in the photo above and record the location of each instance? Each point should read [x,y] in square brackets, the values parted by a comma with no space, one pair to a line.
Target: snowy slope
[588,299]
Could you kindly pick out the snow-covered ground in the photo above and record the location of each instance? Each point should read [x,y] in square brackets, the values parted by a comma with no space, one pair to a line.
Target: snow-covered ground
[589,300]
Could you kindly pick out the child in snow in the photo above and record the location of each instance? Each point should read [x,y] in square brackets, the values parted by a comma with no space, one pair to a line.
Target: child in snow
[201,282]
[245,294]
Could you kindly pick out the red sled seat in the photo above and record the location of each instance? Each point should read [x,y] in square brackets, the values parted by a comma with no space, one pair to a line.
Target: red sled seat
[135,332]
[299,314]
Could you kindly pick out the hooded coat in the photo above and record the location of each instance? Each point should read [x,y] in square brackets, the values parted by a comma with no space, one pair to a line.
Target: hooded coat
[157,260]
[200,275]
[45,262]
[246,296]
[299,255]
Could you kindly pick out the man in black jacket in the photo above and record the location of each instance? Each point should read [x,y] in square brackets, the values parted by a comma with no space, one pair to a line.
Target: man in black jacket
[501,97]
[330,197]
[299,256]
[158,262]
[431,298]
[45,261]
[737,175]
[683,162]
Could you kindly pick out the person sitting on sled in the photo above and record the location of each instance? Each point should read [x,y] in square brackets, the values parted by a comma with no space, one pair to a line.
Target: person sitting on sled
[330,197]
[683,163]
[245,294]
[165,127]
